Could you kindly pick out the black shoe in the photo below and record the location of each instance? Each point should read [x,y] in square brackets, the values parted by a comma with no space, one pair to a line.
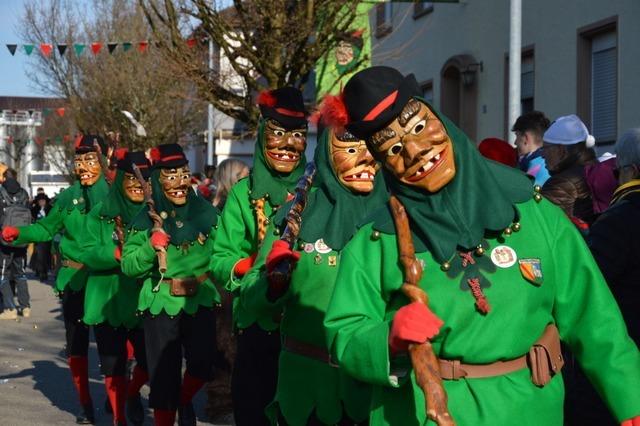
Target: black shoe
[86,416]
[107,406]
[135,410]
[186,415]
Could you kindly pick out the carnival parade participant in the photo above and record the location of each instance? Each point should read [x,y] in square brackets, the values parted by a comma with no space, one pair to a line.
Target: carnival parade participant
[311,389]
[507,275]
[68,215]
[176,303]
[278,163]
[111,298]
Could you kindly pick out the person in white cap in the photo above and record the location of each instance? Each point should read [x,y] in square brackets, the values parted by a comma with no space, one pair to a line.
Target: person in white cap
[567,149]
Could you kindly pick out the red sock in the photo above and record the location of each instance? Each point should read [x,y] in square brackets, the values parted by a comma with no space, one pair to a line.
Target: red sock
[164,417]
[116,388]
[130,350]
[138,379]
[190,386]
[79,366]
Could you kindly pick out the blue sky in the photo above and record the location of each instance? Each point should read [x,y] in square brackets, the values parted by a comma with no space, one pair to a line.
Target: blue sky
[13,79]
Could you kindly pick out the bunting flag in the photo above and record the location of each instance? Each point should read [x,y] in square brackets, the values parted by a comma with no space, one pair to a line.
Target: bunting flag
[67,138]
[46,49]
[58,139]
[126,46]
[10,140]
[28,48]
[61,49]
[12,48]
[46,111]
[142,46]
[95,47]
[191,43]
[39,140]
[60,112]
[112,47]
[79,48]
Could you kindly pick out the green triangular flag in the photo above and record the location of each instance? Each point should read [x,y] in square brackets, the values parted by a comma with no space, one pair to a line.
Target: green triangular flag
[79,48]
[58,139]
[46,111]
[126,46]
[28,48]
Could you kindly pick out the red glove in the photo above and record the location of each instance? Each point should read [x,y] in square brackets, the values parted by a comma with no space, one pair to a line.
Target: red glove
[413,323]
[280,251]
[159,239]
[632,422]
[10,233]
[243,265]
[117,253]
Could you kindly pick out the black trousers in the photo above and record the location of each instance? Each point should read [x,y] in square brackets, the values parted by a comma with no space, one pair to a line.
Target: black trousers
[167,339]
[255,375]
[41,259]
[76,331]
[12,263]
[112,348]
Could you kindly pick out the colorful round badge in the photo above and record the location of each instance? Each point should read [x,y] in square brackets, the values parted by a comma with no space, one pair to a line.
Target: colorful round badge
[504,256]
[321,247]
[308,248]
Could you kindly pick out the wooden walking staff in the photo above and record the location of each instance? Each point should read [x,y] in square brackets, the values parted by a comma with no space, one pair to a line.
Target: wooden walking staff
[424,361]
[161,252]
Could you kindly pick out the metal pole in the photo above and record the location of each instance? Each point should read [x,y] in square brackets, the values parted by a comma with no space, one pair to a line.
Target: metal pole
[515,47]
[210,113]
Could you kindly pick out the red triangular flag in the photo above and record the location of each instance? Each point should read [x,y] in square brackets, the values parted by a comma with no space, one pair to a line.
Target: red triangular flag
[38,140]
[191,42]
[95,47]
[142,46]
[60,112]
[67,138]
[46,49]
[10,140]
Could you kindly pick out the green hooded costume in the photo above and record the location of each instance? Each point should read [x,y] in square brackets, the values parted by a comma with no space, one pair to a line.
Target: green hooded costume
[192,228]
[306,385]
[237,236]
[68,213]
[110,296]
[536,270]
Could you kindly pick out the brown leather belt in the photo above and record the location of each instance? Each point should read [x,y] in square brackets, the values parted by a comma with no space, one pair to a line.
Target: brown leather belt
[72,264]
[185,286]
[544,360]
[308,350]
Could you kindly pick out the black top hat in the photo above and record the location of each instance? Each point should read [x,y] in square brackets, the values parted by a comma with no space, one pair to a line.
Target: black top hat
[84,144]
[375,96]
[284,105]
[168,156]
[139,159]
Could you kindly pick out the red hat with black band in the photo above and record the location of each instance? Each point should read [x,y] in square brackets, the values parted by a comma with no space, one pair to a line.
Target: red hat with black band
[375,96]
[284,105]
[85,143]
[139,159]
[168,156]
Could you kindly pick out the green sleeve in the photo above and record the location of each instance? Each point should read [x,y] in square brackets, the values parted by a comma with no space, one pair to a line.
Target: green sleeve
[44,229]
[138,257]
[590,321]
[232,241]
[98,251]
[357,329]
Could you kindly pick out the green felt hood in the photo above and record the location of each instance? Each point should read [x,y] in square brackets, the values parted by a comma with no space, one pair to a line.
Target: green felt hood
[264,180]
[481,198]
[82,198]
[116,202]
[183,223]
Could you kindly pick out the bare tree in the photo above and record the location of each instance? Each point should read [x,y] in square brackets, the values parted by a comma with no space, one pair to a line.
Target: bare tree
[258,44]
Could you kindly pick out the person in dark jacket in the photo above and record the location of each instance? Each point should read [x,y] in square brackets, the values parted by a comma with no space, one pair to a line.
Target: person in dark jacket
[567,149]
[41,257]
[13,259]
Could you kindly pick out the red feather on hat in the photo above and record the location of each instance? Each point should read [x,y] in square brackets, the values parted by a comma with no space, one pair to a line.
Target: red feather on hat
[120,153]
[155,155]
[78,140]
[334,112]
[266,98]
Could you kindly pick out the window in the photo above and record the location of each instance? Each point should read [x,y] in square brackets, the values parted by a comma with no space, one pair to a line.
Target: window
[421,8]
[427,91]
[384,12]
[597,79]
[527,83]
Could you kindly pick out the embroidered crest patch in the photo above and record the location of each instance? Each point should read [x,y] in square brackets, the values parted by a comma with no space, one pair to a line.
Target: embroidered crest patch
[531,270]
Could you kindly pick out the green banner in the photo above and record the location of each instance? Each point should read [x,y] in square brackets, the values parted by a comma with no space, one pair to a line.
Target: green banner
[352,54]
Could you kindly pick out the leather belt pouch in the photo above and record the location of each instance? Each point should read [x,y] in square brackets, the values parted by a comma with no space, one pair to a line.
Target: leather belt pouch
[183,286]
[545,356]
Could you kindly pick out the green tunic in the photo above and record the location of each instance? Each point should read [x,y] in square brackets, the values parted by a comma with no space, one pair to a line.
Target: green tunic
[188,260]
[68,214]
[110,296]
[306,384]
[573,295]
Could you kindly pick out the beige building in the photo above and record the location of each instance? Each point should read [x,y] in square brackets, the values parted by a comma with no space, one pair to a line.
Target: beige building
[578,56]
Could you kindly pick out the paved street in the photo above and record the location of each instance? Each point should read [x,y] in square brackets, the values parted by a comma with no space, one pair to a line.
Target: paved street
[35,384]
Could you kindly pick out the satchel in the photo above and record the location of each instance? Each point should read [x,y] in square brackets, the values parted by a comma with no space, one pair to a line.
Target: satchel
[545,356]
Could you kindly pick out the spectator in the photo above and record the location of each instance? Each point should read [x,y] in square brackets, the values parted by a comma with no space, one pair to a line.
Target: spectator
[227,174]
[567,150]
[499,150]
[14,211]
[41,257]
[602,181]
[529,129]
[614,238]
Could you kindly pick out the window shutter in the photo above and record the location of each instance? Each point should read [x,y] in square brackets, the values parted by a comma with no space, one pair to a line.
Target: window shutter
[604,96]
